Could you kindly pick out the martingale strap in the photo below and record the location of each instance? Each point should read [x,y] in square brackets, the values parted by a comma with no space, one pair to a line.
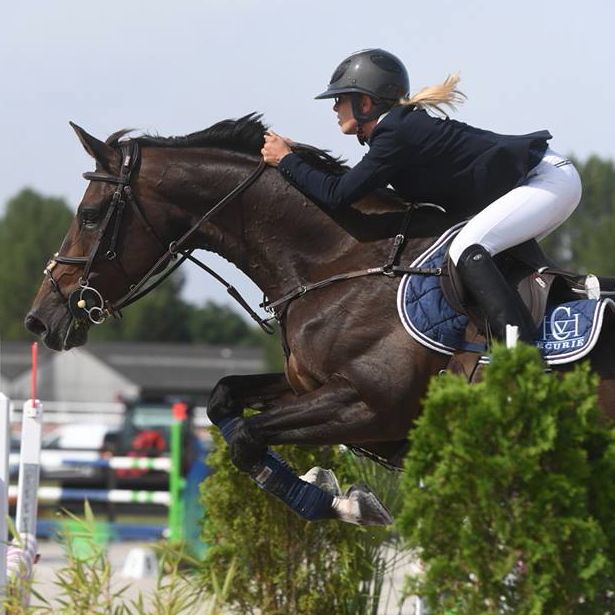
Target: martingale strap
[389,269]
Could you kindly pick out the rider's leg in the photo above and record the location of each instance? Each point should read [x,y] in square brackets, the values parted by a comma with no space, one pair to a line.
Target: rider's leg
[497,299]
[548,196]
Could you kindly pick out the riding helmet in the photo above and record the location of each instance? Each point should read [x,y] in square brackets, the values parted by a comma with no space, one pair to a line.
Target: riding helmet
[374,72]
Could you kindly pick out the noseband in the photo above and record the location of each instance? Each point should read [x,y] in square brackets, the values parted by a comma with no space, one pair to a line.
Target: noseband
[86,303]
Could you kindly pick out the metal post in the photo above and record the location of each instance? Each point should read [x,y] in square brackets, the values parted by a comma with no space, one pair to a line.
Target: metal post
[5,408]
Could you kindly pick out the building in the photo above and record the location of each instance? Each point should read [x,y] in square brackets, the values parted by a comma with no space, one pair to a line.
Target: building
[113,371]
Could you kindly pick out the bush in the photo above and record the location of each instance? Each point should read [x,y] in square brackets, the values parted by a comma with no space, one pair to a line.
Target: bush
[282,564]
[508,492]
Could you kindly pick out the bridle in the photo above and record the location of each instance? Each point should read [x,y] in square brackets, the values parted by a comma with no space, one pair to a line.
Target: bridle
[86,303]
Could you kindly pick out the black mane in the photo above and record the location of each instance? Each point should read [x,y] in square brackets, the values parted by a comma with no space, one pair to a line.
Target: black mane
[244,135]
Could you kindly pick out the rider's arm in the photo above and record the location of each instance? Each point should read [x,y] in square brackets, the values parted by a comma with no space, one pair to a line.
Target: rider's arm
[384,159]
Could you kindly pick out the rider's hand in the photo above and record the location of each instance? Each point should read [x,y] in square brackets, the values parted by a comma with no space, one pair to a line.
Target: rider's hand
[275,148]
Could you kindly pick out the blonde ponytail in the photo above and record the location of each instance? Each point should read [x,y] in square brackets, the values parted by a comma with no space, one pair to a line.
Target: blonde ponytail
[434,97]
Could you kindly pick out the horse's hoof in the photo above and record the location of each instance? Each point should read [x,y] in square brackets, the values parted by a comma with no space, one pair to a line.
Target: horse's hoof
[361,506]
[325,479]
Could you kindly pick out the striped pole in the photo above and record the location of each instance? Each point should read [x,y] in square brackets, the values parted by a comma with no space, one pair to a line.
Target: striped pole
[159,464]
[119,496]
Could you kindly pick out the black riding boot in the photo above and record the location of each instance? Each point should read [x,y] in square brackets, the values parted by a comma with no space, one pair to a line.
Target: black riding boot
[499,302]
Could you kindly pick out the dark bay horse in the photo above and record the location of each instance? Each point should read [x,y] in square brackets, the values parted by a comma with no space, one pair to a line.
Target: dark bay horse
[353,375]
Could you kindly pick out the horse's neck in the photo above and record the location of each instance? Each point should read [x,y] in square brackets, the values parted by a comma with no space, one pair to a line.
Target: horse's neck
[279,239]
[271,232]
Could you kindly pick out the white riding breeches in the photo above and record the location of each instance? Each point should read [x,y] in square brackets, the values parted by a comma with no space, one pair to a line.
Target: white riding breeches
[548,195]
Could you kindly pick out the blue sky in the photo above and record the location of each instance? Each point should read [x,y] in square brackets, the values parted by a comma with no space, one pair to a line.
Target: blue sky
[174,68]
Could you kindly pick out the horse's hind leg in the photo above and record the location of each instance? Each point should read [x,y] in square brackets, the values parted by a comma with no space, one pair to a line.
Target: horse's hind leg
[602,359]
[230,397]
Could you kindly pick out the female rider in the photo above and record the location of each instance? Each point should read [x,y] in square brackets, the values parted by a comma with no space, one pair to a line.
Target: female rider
[515,186]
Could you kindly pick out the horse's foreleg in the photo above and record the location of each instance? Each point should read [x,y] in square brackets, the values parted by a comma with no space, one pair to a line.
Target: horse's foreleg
[249,447]
[226,404]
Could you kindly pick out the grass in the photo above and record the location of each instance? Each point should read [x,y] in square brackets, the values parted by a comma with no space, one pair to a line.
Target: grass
[85,585]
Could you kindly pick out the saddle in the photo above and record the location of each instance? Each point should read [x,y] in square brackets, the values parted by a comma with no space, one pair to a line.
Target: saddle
[568,308]
[537,279]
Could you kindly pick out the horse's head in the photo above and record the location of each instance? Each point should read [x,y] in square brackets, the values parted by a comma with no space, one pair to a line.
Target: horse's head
[105,254]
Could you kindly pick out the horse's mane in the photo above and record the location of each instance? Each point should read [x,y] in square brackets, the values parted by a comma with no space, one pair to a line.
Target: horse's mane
[246,135]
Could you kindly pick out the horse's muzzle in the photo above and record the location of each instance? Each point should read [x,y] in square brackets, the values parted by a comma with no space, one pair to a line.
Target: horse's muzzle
[35,325]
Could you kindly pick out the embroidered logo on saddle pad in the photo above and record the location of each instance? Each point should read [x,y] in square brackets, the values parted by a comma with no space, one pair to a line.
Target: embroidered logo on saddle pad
[568,332]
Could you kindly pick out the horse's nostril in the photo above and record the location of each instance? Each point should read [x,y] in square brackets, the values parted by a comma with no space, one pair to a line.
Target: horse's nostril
[35,325]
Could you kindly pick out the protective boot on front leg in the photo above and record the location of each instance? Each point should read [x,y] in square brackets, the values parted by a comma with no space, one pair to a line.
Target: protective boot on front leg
[247,450]
[276,477]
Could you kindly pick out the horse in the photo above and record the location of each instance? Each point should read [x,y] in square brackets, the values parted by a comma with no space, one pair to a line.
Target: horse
[352,374]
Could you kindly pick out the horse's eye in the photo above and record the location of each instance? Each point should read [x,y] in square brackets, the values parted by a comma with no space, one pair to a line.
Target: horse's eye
[89,218]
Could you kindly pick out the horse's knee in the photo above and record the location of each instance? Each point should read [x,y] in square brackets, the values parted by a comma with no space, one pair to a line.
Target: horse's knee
[221,404]
[247,448]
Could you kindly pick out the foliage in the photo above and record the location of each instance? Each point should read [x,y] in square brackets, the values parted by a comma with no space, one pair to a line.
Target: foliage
[508,492]
[30,233]
[284,564]
[219,324]
[87,587]
[583,242]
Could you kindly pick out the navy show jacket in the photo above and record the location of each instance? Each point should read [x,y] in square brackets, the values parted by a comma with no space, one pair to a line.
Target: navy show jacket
[426,159]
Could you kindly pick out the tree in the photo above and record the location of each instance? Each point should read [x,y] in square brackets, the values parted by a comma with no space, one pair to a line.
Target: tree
[160,316]
[508,492]
[219,324]
[31,231]
[584,242]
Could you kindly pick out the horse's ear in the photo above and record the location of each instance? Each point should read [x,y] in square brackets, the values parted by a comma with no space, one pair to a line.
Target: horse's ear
[104,154]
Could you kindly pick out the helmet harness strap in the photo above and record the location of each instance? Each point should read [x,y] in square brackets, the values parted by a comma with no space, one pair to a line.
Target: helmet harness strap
[380,107]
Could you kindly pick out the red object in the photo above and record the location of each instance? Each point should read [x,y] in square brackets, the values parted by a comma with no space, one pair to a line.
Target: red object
[180,410]
[148,442]
[34,369]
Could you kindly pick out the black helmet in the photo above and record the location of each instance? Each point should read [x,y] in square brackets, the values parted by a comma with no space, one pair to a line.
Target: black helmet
[374,72]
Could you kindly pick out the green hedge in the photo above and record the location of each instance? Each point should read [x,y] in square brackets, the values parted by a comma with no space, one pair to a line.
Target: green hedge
[509,493]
